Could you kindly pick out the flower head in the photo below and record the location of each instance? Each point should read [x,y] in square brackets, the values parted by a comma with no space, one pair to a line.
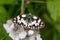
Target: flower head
[15,31]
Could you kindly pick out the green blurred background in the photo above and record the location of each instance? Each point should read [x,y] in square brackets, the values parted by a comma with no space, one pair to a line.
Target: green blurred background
[47,10]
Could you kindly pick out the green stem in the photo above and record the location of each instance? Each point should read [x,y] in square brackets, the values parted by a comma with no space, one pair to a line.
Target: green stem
[22,6]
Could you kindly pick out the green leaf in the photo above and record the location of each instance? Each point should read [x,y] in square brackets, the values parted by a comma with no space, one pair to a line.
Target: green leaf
[54,9]
[56,35]
[3,14]
[57,27]
[2,2]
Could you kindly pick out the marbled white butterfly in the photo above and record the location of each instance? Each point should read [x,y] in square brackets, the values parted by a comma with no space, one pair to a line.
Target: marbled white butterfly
[29,21]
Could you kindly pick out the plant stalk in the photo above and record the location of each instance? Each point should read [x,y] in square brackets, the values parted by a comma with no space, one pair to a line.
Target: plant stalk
[22,6]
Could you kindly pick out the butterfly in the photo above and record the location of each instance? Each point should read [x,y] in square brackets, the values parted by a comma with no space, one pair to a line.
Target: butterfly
[28,21]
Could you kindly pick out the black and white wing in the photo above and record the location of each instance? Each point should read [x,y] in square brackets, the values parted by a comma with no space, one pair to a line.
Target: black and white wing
[36,23]
[20,20]
[29,21]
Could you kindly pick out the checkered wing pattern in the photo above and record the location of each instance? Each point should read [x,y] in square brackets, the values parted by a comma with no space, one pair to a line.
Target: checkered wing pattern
[29,21]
